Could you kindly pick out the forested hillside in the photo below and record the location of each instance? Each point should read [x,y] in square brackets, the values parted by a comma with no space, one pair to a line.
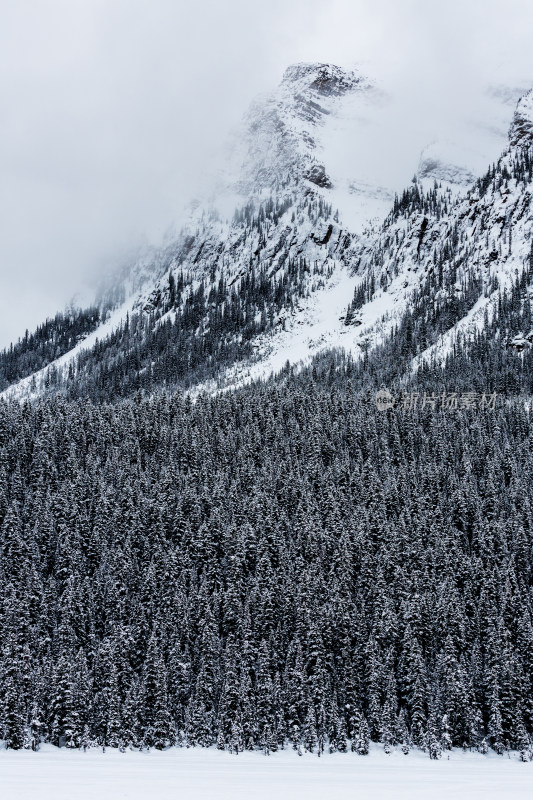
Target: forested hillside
[49,341]
[285,566]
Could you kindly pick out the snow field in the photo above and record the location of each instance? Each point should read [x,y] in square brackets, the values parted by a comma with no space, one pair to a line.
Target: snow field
[196,774]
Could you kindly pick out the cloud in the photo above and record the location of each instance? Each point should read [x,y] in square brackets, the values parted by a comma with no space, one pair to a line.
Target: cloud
[112,109]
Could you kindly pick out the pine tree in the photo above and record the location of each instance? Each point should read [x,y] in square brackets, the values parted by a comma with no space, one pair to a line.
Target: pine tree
[432,738]
[65,723]
[309,735]
[12,716]
[495,723]
[446,737]
[362,741]
[523,743]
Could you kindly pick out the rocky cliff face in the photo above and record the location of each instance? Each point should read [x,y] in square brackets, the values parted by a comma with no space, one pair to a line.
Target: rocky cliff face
[521,133]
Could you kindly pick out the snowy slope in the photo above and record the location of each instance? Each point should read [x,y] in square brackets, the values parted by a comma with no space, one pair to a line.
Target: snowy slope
[304,180]
[494,236]
[495,232]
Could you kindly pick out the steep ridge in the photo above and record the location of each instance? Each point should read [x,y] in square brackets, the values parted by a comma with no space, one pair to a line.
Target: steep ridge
[230,278]
[442,258]
[262,272]
[233,277]
[446,260]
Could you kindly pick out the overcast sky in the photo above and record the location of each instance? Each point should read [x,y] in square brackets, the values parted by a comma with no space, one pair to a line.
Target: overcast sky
[111,109]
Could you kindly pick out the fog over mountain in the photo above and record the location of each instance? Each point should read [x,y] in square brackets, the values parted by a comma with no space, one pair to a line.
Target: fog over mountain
[115,114]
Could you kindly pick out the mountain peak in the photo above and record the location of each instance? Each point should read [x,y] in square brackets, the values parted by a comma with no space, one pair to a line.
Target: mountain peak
[282,140]
[325,79]
[521,132]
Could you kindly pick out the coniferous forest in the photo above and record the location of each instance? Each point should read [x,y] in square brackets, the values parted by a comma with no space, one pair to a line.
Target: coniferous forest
[280,566]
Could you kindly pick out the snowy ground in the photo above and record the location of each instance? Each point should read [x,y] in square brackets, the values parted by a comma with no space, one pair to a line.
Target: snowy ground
[184,774]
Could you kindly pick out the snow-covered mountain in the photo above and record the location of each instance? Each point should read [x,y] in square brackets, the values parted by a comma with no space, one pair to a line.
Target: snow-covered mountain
[451,256]
[300,248]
